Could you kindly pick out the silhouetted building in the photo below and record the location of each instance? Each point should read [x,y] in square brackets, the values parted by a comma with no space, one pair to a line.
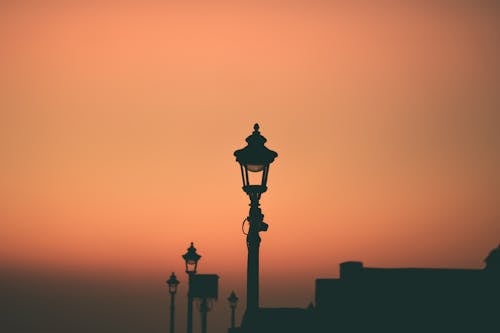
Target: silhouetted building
[410,299]
[365,299]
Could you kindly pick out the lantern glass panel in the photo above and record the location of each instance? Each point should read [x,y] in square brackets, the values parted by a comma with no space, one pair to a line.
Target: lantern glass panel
[255,178]
[172,288]
[255,167]
[191,266]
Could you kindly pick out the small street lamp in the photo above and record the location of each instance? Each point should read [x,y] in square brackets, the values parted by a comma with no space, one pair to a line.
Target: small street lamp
[191,259]
[254,160]
[233,302]
[172,288]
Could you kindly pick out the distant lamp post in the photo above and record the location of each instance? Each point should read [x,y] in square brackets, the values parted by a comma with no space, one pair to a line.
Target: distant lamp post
[191,258]
[172,288]
[233,302]
[254,160]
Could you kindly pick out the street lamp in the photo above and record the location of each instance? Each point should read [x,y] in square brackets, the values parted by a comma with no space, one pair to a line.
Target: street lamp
[254,162]
[233,301]
[191,258]
[172,288]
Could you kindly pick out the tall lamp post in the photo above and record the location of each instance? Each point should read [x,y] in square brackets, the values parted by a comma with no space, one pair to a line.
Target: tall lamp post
[172,288]
[191,258]
[254,160]
[233,301]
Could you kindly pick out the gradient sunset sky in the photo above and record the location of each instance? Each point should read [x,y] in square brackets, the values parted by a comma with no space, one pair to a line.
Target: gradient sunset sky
[118,123]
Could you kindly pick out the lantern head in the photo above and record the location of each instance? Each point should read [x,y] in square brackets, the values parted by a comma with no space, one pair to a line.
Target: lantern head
[191,258]
[172,284]
[233,300]
[254,160]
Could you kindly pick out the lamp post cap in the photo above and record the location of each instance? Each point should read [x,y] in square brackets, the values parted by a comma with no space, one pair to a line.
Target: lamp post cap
[191,252]
[255,152]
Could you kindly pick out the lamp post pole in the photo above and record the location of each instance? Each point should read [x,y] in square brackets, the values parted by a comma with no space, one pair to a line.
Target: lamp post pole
[233,301]
[172,288]
[253,240]
[204,311]
[232,318]
[190,306]
[172,310]
[254,158]
[191,258]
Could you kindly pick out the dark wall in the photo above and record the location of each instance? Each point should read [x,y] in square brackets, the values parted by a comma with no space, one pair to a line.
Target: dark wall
[405,300]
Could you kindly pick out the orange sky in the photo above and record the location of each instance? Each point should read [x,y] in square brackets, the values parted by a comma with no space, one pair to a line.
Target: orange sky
[118,125]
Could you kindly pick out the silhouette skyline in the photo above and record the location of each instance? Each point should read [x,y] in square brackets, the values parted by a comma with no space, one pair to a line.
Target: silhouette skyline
[118,124]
